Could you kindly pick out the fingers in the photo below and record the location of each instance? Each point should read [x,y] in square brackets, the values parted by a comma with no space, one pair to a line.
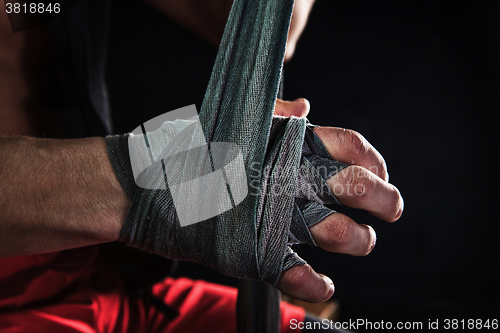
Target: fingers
[350,147]
[365,184]
[357,187]
[298,108]
[339,233]
[304,283]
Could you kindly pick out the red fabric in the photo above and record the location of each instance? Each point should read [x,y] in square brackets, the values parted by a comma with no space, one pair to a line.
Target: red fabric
[74,291]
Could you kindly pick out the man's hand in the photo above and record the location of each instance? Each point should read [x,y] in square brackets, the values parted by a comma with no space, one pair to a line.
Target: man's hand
[362,185]
[68,196]
[207,18]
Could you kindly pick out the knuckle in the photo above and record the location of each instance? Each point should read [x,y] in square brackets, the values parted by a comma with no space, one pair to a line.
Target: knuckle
[361,182]
[356,181]
[339,232]
[297,276]
[300,281]
[355,143]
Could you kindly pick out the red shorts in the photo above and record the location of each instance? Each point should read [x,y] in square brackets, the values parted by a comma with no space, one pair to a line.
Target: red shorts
[97,302]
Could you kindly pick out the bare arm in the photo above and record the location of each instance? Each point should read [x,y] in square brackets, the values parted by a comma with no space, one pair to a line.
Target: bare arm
[57,194]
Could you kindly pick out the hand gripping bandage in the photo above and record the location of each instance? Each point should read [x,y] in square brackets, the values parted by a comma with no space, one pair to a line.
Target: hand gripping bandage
[273,169]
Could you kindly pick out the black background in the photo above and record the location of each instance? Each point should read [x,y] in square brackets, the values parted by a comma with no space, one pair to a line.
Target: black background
[420,81]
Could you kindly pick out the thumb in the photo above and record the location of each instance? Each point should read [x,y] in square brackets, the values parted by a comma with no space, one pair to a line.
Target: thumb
[298,108]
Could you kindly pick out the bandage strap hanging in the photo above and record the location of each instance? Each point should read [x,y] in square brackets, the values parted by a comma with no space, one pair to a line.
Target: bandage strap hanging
[258,303]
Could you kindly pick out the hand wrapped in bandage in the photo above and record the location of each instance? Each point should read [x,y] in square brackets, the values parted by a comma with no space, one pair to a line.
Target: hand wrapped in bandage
[253,238]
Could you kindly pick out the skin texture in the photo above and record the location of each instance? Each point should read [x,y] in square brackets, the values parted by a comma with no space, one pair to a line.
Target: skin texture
[57,195]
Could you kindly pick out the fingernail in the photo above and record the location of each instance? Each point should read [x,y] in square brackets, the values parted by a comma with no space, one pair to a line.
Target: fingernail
[331,290]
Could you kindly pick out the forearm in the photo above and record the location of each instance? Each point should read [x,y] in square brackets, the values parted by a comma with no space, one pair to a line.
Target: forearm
[57,194]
